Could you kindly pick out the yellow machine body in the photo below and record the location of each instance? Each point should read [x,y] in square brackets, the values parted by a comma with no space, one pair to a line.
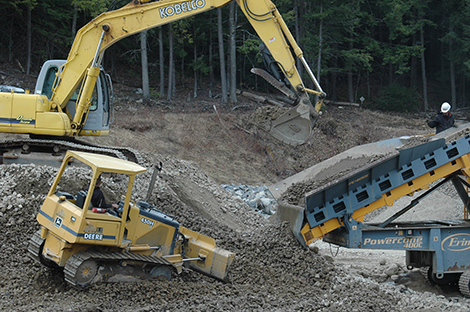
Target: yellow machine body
[68,107]
[136,233]
[32,116]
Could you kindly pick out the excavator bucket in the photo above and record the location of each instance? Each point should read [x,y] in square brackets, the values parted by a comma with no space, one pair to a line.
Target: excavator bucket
[293,127]
[202,255]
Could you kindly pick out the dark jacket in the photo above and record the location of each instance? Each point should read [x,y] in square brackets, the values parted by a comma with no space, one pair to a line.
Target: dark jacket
[97,200]
[441,122]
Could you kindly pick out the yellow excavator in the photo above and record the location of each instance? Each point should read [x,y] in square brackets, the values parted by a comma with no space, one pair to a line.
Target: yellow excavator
[129,242]
[73,97]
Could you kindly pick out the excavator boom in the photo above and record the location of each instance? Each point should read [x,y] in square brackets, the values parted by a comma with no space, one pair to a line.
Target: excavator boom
[81,70]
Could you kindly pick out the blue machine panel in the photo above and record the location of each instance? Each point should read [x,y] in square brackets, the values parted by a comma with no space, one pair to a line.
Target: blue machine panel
[448,241]
[368,184]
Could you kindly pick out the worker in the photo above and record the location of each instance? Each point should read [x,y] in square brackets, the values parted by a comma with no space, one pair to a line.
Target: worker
[97,200]
[443,120]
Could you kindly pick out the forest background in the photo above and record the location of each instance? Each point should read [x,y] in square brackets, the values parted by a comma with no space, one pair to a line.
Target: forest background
[396,55]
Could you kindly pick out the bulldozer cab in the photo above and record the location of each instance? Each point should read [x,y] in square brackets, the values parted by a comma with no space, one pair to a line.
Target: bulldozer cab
[68,211]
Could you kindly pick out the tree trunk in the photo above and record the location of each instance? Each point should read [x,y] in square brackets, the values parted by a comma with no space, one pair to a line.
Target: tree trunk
[10,41]
[462,96]
[195,61]
[145,67]
[390,67]
[162,63]
[414,65]
[183,77]
[452,83]
[334,78]
[423,71]
[170,62]
[320,41]
[350,73]
[74,20]
[233,63]
[452,69]
[28,31]
[211,68]
[223,74]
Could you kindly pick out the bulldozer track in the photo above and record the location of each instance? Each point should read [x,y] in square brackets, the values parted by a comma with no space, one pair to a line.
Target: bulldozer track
[35,250]
[34,246]
[74,262]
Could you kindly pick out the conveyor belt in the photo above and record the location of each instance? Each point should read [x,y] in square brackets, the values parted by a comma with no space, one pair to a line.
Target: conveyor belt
[345,202]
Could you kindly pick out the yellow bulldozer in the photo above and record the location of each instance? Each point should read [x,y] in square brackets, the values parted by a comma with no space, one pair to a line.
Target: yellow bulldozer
[132,241]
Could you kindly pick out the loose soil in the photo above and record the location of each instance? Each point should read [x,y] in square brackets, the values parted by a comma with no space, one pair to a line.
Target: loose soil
[203,144]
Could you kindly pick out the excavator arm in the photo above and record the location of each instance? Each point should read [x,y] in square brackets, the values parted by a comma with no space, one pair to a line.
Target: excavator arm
[82,65]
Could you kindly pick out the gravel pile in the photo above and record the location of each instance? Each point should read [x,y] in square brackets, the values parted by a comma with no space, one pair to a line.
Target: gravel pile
[257,197]
[271,271]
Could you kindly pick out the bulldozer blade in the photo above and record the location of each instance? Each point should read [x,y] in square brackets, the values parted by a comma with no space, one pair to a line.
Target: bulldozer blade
[202,255]
[295,216]
[294,127]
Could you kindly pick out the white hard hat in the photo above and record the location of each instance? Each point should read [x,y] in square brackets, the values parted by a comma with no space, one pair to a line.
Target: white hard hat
[445,107]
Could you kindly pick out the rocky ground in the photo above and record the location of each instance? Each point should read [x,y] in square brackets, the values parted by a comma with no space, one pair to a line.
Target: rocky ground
[201,149]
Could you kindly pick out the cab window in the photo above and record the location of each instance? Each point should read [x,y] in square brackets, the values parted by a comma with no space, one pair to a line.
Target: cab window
[49,81]
[93,100]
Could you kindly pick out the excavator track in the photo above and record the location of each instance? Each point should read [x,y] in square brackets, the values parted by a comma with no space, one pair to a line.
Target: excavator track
[86,268]
[12,150]
[129,153]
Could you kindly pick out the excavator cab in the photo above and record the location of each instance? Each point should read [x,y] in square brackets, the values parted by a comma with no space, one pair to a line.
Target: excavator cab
[101,103]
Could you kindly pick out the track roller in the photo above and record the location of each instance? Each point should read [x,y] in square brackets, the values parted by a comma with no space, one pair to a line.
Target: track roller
[464,283]
[161,273]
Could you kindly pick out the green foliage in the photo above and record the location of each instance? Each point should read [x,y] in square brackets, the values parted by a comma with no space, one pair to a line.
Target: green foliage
[377,42]
[52,27]
[251,47]
[182,30]
[154,93]
[92,7]
[401,57]
[200,65]
[398,99]
[357,58]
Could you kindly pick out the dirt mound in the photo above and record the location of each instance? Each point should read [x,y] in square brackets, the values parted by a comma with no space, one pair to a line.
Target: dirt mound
[200,150]
[271,271]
